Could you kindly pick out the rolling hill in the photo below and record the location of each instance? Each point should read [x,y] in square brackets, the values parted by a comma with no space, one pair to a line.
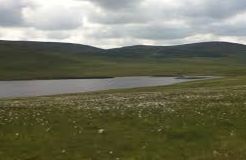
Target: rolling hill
[49,60]
[205,49]
[46,47]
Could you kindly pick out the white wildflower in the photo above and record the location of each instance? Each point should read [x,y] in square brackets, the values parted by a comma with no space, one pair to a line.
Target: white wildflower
[100,131]
[63,151]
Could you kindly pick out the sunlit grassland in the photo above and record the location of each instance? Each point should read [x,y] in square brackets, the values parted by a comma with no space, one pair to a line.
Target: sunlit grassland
[202,120]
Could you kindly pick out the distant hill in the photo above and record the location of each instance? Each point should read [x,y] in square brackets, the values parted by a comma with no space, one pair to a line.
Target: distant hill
[48,60]
[46,47]
[26,59]
[205,49]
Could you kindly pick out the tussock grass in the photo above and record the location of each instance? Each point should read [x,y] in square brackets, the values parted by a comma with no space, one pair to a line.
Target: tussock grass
[195,121]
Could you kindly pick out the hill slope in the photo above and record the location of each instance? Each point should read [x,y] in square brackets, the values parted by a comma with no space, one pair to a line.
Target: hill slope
[32,60]
[46,47]
[205,49]
[46,60]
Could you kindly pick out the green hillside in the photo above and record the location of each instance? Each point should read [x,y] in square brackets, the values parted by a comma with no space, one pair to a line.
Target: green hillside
[43,60]
[46,47]
[205,49]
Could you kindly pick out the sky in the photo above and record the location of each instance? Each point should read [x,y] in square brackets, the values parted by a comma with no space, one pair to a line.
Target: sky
[115,23]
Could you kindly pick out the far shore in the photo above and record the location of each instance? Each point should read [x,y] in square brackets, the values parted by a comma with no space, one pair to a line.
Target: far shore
[108,77]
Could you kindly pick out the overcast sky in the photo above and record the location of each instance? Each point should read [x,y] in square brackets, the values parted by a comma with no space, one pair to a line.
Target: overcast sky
[113,23]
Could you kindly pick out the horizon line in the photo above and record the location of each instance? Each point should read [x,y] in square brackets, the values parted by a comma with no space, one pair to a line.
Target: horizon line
[74,43]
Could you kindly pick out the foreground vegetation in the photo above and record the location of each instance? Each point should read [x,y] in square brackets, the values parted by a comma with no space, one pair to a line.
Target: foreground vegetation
[203,120]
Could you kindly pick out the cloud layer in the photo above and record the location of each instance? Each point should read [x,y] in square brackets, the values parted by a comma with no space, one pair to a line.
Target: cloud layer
[11,12]
[111,23]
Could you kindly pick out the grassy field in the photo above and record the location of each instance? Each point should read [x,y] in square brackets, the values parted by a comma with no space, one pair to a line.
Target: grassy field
[43,67]
[202,120]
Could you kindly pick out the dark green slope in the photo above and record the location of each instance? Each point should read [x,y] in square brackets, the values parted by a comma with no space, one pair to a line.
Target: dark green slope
[45,47]
[43,60]
[33,55]
[205,49]
[47,60]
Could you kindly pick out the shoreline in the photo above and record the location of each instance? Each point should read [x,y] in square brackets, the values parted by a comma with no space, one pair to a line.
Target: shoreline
[35,93]
[108,77]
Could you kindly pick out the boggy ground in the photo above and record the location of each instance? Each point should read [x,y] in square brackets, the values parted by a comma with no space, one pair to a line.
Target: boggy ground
[203,120]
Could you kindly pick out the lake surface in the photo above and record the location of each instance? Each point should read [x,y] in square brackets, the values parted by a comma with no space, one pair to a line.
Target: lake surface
[11,89]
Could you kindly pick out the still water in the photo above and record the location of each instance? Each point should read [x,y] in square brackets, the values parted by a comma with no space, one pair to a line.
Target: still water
[11,89]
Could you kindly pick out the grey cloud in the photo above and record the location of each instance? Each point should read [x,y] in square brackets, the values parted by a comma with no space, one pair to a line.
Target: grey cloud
[215,9]
[139,22]
[49,18]
[112,18]
[39,17]
[228,30]
[202,11]
[57,35]
[160,32]
[151,32]
[116,4]
[11,12]
[129,19]
[131,12]
[232,31]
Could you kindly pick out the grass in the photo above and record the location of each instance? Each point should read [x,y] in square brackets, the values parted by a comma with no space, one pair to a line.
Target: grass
[38,60]
[74,67]
[202,120]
